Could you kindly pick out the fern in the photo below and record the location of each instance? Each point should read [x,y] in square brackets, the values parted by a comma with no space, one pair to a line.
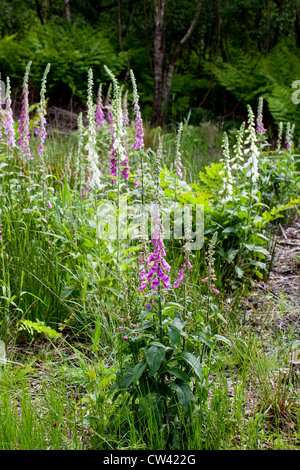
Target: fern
[268,76]
[32,327]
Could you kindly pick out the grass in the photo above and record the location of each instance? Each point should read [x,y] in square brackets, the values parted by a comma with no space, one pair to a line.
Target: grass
[67,295]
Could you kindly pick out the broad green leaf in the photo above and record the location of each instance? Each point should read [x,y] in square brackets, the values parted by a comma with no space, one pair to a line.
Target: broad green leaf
[203,339]
[154,356]
[175,372]
[256,248]
[185,396]
[138,370]
[127,378]
[194,363]
[66,292]
[174,335]
[223,339]
[171,306]
[231,255]
[239,272]
[229,230]
[158,344]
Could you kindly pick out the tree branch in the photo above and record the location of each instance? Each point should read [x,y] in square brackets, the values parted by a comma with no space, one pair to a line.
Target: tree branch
[175,56]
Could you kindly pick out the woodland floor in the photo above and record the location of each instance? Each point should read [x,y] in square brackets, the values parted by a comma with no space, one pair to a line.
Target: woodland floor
[275,303]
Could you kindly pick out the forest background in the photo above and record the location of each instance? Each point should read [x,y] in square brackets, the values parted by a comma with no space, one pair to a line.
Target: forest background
[196,60]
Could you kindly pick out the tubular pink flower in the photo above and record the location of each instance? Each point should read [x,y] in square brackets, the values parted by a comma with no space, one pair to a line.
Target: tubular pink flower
[100,116]
[156,265]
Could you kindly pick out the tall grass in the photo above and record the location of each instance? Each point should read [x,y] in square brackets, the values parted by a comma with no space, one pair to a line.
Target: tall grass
[126,364]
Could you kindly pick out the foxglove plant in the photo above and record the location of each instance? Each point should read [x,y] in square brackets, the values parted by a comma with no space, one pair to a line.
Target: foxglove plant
[252,162]
[289,136]
[138,122]
[154,273]
[41,130]
[211,276]
[177,161]
[259,120]
[125,109]
[187,265]
[24,142]
[228,181]
[100,115]
[279,138]
[108,107]
[9,121]
[92,156]
[121,159]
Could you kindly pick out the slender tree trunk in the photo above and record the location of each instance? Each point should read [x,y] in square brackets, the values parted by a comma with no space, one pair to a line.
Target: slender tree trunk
[39,12]
[175,56]
[120,38]
[67,10]
[159,59]
[162,80]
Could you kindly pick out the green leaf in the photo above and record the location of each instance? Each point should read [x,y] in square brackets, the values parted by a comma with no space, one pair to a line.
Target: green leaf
[158,344]
[223,339]
[194,363]
[231,255]
[229,230]
[185,396]
[239,272]
[127,378]
[171,306]
[256,248]
[174,335]
[138,370]
[154,356]
[175,372]
[66,292]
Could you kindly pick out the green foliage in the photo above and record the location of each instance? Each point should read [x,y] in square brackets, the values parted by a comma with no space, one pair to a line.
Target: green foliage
[71,52]
[250,76]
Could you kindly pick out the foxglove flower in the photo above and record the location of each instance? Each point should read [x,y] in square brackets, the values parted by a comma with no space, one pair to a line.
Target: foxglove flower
[259,120]
[156,269]
[177,161]
[118,135]
[24,118]
[92,156]
[157,266]
[138,122]
[41,130]
[280,130]
[252,163]
[210,262]
[9,122]
[187,265]
[125,110]
[100,115]
[228,181]
[289,136]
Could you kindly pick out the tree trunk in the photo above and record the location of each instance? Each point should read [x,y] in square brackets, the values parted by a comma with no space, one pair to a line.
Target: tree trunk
[159,60]
[175,56]
[162,80]
[67,10]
